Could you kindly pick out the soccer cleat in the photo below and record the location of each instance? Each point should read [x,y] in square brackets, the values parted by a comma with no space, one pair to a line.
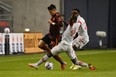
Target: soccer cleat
[33,65]
[63,65]
[76,67]
[72,66]
[91,67]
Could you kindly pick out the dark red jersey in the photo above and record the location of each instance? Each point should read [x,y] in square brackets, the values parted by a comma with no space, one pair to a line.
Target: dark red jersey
[55,29]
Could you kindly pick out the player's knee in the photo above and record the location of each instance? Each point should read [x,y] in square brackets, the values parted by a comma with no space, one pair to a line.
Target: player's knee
[40,46]
[53,52]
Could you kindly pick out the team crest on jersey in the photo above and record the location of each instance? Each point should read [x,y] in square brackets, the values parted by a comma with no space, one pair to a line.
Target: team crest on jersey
[73,32]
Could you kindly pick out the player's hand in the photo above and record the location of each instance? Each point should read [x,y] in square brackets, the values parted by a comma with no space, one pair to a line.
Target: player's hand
[50,22]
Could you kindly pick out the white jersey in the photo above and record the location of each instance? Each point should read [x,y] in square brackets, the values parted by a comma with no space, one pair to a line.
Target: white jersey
[68,38]
[66,43]
[83,37]
[70,33]
[82,31]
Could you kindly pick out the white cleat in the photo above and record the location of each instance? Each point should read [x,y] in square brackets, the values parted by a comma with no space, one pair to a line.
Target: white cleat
[76,67]
[72,66]
[33,65]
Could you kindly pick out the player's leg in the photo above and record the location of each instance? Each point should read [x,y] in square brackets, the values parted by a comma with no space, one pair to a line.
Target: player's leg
[78,42]
[45,43]
[42,44]
[45,58]
[72,55]
[83,64]
[42,60]
[77,62]
[75,45]
[54,41]
[56,50]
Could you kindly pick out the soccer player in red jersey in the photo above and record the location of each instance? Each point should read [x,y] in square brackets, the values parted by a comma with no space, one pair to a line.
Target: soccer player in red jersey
[52,38]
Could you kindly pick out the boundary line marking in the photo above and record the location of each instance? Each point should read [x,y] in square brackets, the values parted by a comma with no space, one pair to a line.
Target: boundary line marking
[77,54]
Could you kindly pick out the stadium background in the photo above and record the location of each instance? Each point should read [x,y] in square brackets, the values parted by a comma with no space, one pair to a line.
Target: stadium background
[33,14]
[99,15]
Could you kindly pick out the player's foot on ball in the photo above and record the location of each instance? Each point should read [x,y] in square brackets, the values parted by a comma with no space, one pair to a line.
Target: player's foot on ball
[33,65]
[72,66]
[91,67]
[76,67]
[63,65]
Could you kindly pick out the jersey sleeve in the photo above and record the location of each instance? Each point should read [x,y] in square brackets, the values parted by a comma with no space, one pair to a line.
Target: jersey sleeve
[58,20]
[77,25]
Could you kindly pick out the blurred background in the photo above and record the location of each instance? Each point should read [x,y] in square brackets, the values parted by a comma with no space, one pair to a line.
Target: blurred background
[33,14]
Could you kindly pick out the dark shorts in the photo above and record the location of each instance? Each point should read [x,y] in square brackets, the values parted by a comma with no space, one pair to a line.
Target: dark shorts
[48,39]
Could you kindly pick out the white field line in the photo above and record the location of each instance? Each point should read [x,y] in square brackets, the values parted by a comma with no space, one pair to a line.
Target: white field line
[18,60]
[91,53]
[77,54]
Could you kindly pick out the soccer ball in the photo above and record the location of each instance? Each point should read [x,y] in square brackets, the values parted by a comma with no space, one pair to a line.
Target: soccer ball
[49,65]
[6,30]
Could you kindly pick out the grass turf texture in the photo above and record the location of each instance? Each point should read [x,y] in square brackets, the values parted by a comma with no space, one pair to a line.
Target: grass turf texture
[103,60]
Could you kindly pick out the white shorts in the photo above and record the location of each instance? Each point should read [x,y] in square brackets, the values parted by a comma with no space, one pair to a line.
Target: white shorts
[63,47]
[80,41]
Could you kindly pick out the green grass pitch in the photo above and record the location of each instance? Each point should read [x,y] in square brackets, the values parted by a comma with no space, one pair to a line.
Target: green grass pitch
[103,60]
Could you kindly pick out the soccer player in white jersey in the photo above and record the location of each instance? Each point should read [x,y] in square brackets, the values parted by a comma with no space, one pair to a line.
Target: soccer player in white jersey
[83,37]
[66,46]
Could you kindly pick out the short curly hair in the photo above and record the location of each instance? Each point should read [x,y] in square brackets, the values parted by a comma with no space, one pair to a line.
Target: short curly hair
[76,10]
[51,7]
